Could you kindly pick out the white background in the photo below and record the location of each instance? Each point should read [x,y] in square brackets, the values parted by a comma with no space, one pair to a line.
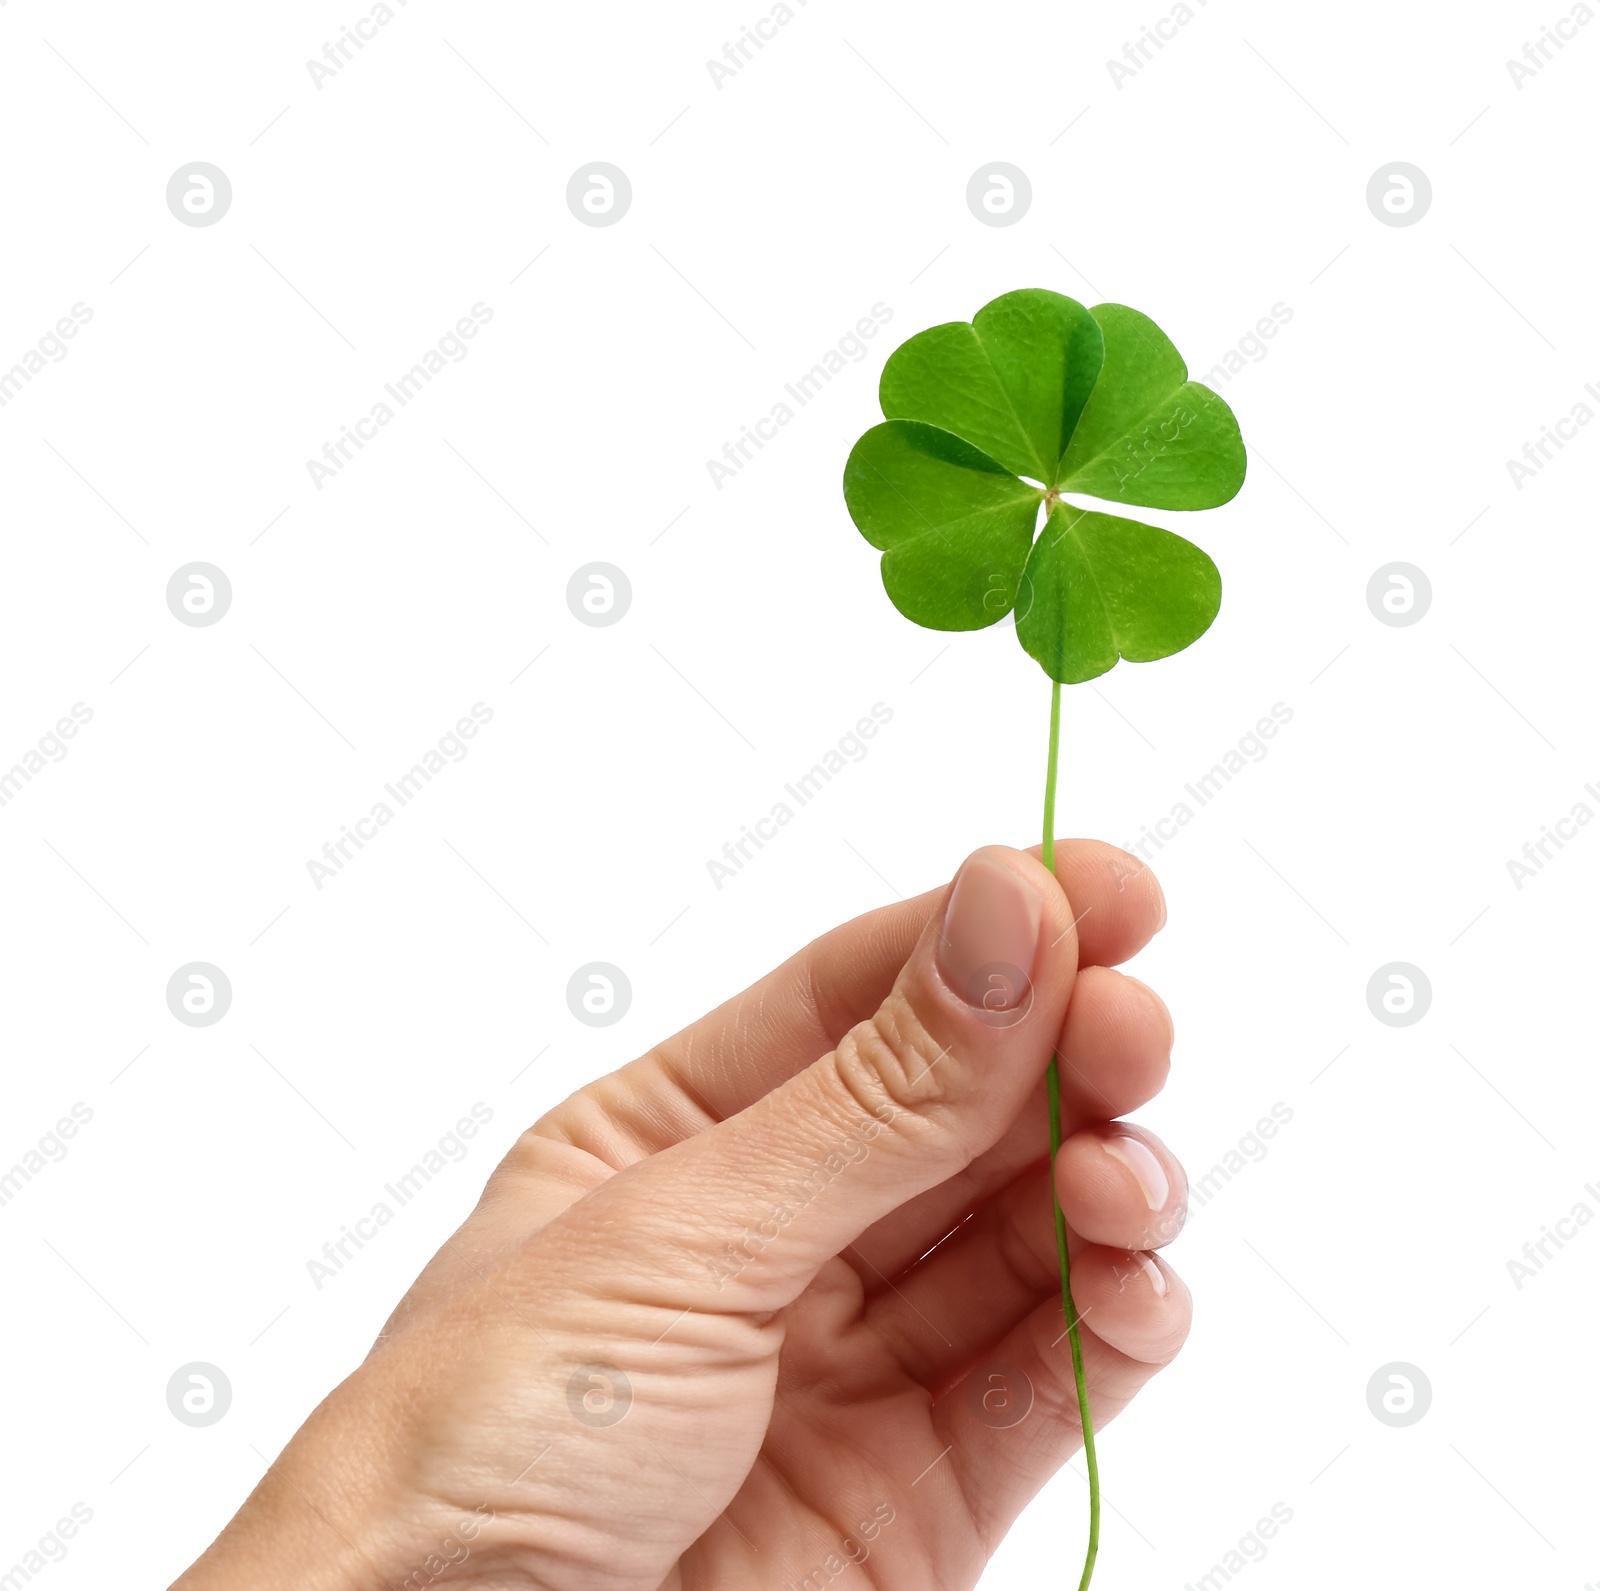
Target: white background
[1226,176]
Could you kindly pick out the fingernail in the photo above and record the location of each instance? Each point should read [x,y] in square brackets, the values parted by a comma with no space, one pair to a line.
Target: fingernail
[1141,1160]
[1158,1280]
[990,935]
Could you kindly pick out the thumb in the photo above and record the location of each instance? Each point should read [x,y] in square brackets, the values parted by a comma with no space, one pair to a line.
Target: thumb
[741,1217]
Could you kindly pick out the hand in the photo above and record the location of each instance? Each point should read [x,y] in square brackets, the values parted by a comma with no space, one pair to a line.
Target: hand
[739,1317]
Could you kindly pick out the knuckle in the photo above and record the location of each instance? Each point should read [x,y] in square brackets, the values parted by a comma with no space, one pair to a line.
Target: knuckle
[1025,1245]
[894,1069]
[1056,1393]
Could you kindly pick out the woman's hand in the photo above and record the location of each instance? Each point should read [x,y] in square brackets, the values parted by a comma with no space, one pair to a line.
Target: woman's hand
[780,1296]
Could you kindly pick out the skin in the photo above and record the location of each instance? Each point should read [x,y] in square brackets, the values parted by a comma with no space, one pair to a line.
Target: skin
[828,1362]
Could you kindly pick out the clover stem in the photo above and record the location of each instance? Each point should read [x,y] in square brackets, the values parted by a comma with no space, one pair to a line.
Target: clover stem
[1052,1084]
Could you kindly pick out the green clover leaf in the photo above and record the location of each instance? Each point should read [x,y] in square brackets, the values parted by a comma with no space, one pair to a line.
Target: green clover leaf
[1105,588]
[1037,397]
[954,527]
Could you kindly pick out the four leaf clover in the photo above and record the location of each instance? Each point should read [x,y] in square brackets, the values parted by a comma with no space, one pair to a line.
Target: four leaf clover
[988,422]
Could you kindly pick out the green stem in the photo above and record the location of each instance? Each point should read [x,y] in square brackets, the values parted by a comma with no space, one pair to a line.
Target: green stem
[1052,1084]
